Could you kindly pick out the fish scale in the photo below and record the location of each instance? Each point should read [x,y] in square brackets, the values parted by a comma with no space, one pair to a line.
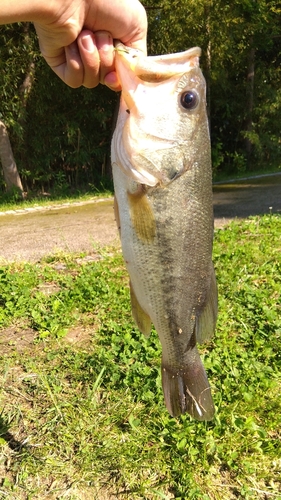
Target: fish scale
[163,194]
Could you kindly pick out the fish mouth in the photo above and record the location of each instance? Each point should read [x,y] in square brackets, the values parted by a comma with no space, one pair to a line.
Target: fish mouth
[140,76]
[134,67]
[155,68]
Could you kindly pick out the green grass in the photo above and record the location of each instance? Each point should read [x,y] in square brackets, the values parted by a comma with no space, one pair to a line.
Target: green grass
[14,201]
[222,175]
[86,420]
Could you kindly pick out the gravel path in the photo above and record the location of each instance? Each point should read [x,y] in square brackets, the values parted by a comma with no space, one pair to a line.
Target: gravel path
[33,233]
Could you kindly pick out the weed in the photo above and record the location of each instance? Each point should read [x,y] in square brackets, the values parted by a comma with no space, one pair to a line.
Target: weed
[87,421]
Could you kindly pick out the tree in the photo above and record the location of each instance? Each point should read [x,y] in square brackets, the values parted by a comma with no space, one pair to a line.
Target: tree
[60,136]
[241,47]
[10,170]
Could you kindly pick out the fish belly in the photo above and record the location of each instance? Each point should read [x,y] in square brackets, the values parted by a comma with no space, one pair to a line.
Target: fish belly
[166,235]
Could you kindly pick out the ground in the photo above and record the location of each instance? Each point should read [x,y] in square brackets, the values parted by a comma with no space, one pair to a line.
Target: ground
[33,233]
[30,235]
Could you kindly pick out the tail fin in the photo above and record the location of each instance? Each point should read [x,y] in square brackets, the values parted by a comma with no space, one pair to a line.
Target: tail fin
[187,390]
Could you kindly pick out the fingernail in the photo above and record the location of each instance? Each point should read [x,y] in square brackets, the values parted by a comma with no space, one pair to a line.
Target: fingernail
[103,40]
[87,43]
[73,48]
[112,81]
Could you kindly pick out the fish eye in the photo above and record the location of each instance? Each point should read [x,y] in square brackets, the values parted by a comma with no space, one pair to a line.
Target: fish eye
[189,99]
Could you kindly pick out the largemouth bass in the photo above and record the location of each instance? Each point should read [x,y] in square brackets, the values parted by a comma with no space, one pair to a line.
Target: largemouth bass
[163,205]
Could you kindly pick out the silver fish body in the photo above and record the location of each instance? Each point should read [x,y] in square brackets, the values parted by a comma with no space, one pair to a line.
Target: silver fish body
[163,190]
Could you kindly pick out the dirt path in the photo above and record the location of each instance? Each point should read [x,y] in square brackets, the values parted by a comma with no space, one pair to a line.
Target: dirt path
[71,228]
[33,233]
[240,199]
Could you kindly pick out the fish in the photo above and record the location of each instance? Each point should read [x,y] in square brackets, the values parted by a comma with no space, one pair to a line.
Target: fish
[162,174]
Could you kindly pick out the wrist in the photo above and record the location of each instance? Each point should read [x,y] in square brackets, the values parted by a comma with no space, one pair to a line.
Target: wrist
[13,11]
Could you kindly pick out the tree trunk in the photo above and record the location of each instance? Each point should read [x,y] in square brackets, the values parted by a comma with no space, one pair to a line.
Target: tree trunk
[249,99]
[10,170]
[106,166]
[208,62]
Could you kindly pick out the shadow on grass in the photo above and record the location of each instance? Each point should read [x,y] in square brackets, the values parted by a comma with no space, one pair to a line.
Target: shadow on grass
[7,436]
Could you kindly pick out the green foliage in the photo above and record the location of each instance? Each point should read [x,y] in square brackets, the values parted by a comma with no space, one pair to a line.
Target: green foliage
[87,421]
[61,136]
[227,34]
[72,140]
[17,51]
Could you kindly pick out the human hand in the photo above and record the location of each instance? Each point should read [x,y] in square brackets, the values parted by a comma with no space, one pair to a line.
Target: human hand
[76,38]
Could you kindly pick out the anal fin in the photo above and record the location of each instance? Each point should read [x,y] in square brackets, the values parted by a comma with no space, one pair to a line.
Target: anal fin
[206,323]
[142,319]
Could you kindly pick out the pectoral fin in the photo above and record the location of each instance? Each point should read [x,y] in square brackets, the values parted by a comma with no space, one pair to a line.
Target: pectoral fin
[142,216]
[142,319]
[206,323]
